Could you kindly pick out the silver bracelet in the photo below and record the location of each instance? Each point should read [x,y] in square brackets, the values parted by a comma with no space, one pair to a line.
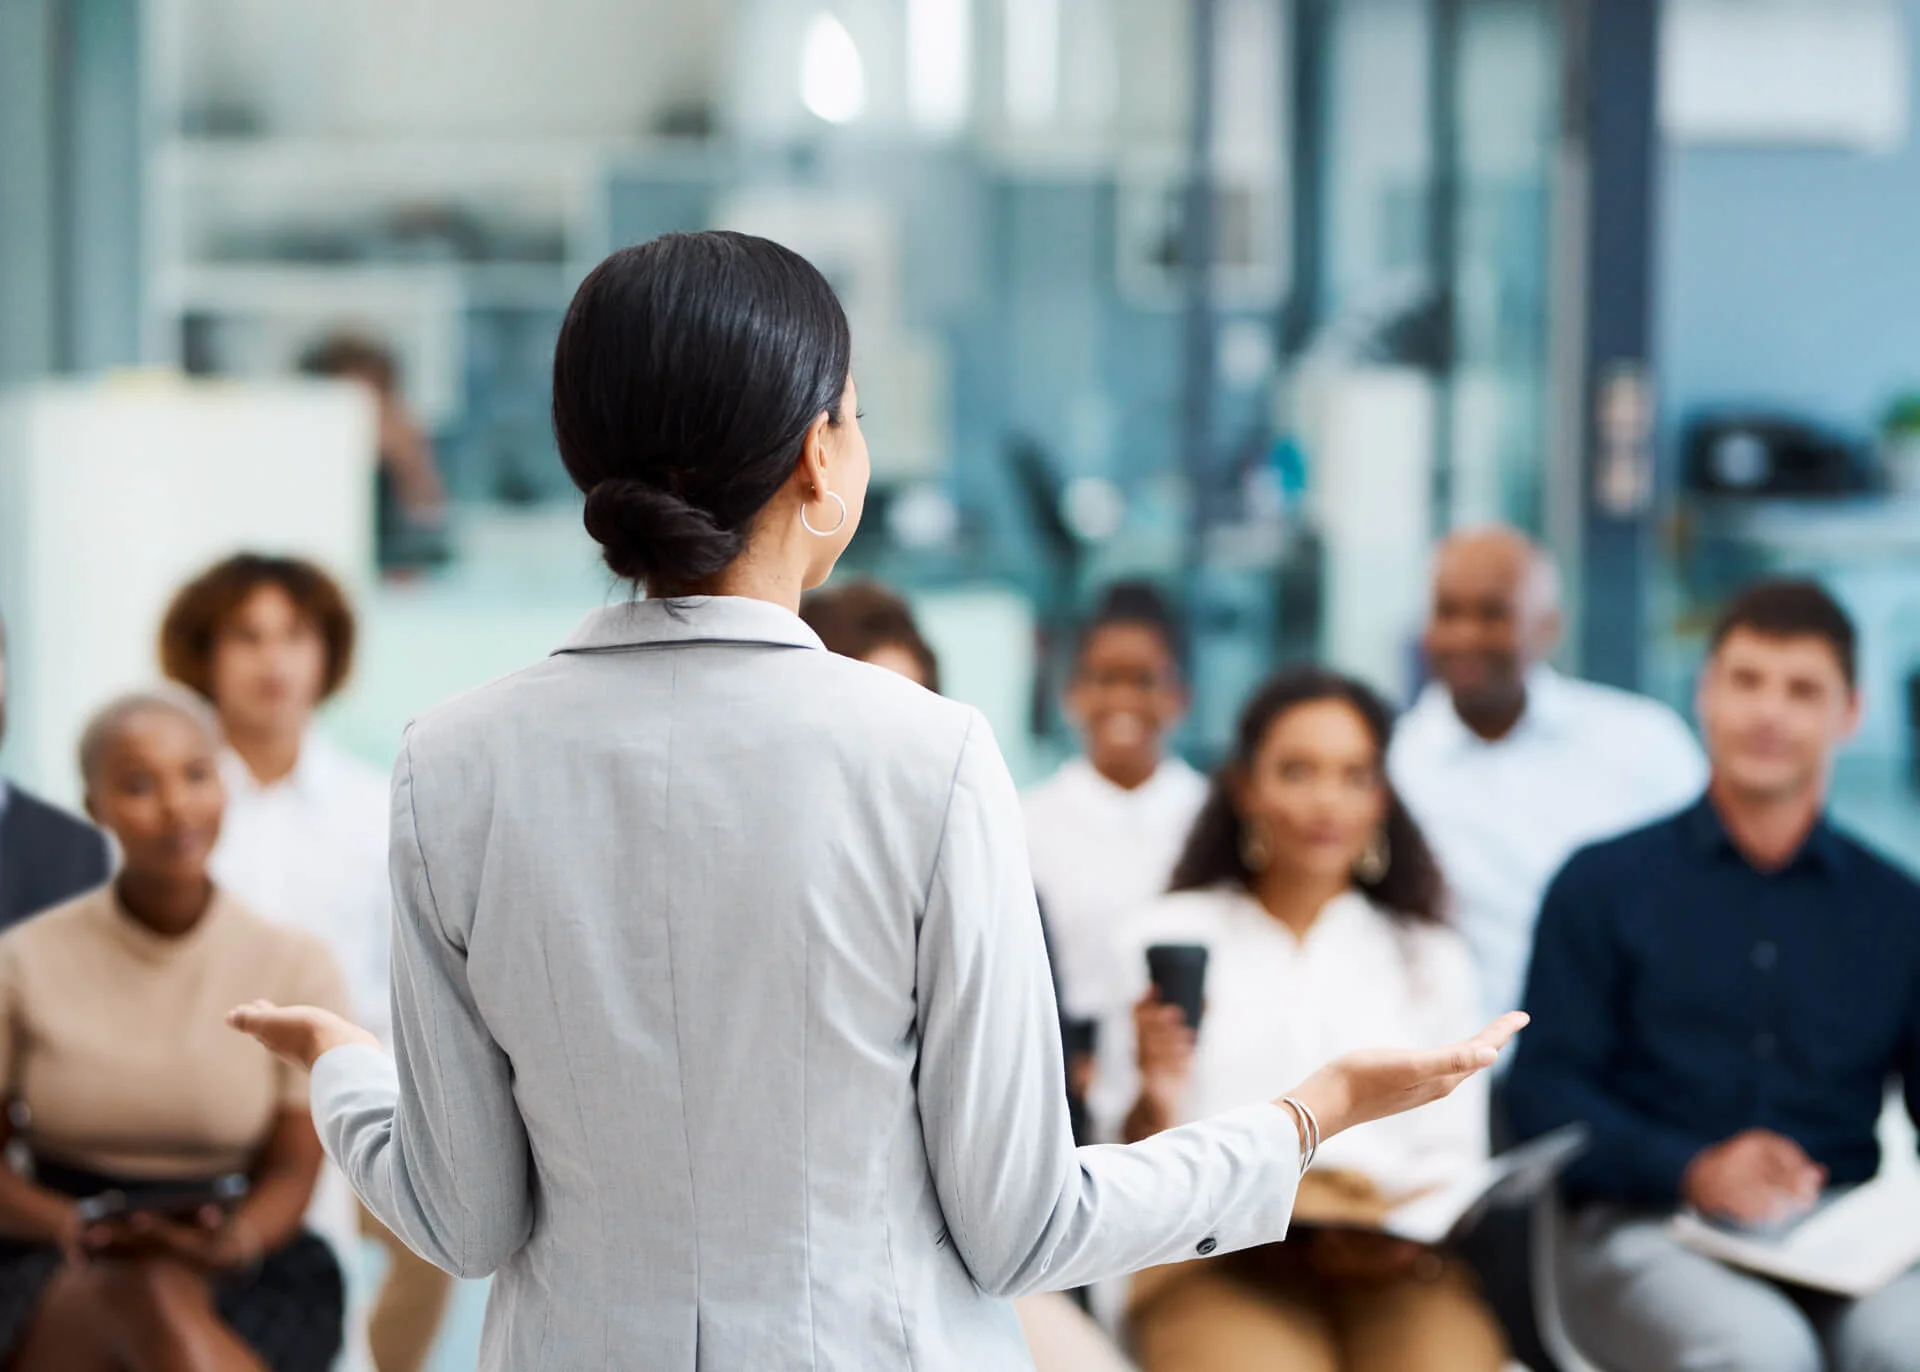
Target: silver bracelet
[1309,1126]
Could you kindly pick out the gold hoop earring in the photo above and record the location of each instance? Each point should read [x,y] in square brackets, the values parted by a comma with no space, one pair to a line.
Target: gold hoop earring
[1254,853]
[1370,868]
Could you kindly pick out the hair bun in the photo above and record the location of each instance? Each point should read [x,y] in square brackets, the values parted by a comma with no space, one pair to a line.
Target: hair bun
[650,534]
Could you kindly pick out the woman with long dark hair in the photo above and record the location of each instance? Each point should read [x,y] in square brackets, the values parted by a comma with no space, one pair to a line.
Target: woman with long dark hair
[1322,911]
[723,1029]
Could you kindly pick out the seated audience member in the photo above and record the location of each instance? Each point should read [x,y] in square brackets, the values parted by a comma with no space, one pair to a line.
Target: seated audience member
[46,855]
[266,640]
[1319,904]
[1104,830]
[118,1059]
[1722,998]
[865,621]
[410,504]
[1509,766]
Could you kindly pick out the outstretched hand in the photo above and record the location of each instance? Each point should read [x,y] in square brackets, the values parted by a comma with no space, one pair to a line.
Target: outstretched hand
[1379,1082]
[297,1033]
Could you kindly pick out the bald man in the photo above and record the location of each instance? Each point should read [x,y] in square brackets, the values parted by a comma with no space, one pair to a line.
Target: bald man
[1507,765]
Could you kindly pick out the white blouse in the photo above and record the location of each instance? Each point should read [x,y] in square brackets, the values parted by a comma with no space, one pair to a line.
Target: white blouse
[1099,852]
[310,851]
[1278,1007]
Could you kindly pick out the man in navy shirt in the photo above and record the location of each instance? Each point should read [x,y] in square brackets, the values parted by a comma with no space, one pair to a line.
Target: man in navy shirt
[1722,998]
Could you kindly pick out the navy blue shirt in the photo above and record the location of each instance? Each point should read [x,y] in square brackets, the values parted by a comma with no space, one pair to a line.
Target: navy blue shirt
[1681,996]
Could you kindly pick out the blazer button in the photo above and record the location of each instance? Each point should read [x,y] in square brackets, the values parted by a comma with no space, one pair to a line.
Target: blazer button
[1206,1246]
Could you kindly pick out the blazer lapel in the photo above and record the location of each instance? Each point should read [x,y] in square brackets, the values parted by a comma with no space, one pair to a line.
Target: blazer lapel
[13,867]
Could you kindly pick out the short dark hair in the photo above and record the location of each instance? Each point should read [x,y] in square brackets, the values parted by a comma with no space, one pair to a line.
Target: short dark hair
[202,608]
[861,617]
[1411,886]
[1787,607]
[345,354]
[686,376]
[1138,603]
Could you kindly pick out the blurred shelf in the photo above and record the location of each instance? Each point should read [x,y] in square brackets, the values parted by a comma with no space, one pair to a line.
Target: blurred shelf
[1829,529]
[322,287]
[419,165]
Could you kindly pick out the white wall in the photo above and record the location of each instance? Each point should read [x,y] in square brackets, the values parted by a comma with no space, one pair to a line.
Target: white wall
[1370,431]
[112,494]
[525,68]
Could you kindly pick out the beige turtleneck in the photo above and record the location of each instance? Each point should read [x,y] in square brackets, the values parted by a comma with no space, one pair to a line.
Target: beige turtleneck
[114,1038]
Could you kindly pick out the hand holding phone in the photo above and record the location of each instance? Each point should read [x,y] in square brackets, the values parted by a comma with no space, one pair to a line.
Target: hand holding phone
[192,1223]
[171,1202]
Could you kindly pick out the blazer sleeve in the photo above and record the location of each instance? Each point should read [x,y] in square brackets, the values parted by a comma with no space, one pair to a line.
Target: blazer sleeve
[431,1139]
[1025,1209]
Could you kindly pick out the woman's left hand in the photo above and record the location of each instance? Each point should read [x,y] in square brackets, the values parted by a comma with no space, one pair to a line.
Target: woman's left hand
[297,1033]
[1354,1255]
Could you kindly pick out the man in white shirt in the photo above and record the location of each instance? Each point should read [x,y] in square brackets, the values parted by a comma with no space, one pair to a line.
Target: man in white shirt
[1508,766]
[266,640]
[1105,830]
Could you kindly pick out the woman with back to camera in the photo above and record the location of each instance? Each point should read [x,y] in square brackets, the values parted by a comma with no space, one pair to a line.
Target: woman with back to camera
[1320,905]
[723,1032]
[114,1060]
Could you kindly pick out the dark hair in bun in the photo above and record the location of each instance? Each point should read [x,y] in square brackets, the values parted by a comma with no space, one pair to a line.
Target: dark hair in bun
[687,373]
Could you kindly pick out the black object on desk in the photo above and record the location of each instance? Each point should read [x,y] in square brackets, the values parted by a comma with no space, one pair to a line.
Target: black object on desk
[1759,453]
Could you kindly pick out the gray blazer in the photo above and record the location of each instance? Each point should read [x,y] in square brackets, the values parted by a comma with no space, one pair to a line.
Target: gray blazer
[723,1028]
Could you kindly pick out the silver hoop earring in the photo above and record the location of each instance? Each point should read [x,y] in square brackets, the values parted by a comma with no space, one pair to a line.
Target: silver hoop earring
[807,524]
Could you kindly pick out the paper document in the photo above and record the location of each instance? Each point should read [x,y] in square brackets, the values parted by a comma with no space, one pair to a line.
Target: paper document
[1852,1245]
[1517,1175]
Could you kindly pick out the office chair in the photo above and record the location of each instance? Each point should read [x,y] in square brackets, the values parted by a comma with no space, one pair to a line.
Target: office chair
[1548,1220]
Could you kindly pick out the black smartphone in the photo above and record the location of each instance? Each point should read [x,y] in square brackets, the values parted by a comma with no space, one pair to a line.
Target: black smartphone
[173,1202]
[1179,973]
[1079,1037]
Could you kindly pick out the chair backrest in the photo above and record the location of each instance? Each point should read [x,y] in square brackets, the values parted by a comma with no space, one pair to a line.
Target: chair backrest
[1548,1221]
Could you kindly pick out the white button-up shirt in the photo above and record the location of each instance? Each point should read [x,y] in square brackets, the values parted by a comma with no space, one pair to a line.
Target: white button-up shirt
[1100,852]
[1279,1007]
[310,851]
[1585,762]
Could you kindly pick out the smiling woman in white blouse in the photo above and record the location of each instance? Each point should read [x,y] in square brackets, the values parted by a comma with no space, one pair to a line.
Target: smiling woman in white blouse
[1319,903]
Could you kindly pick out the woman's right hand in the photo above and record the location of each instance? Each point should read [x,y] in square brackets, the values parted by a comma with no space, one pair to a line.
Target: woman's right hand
[1379,1082]
[300,1034]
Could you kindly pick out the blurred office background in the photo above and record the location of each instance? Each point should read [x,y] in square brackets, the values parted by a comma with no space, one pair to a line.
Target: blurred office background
[1253,297]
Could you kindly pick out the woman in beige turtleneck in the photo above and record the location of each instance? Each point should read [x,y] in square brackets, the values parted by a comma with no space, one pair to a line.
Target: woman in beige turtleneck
[112,1049]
